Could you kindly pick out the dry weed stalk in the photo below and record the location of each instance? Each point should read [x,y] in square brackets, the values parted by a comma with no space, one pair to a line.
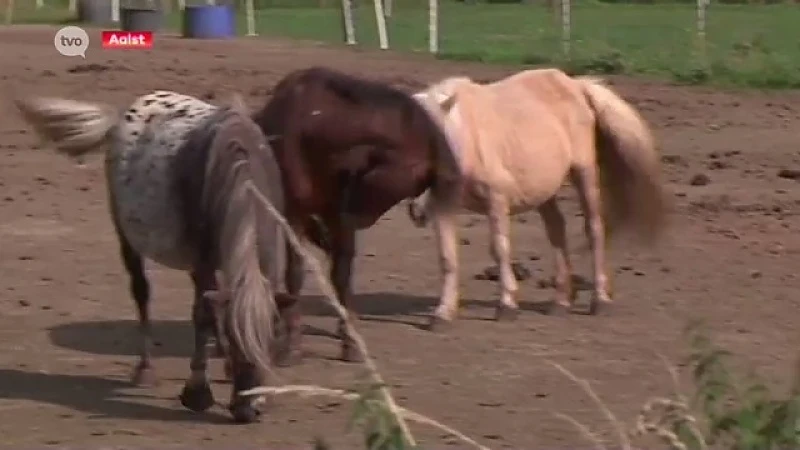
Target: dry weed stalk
[674,412]
[399,414]
[316,391]
[622,435]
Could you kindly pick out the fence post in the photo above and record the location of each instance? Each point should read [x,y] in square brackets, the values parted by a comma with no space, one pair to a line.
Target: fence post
[387,8]
[566,26]
[383,38]
[39,4]
[73,6]
[9,11]
[251,17]
[347,19]
[433,26]
[115,10]
[701,28]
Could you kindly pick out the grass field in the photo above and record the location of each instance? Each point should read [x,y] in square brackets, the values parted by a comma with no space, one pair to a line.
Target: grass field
[752,45]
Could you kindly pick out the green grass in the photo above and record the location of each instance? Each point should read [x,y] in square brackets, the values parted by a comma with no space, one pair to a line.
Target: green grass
[748,45]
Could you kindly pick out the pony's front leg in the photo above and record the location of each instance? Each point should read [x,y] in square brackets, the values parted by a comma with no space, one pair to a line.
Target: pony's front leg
[196,394]
[588,186]
[500,245]
[446,238]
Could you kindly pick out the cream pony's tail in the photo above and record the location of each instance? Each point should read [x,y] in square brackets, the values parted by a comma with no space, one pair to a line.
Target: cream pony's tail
[73,127]
[629,164]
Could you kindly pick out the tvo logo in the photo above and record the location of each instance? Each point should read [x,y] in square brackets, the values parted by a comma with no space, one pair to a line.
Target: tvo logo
[71,41]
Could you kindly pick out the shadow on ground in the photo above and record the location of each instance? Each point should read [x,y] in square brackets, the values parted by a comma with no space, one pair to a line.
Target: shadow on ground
[173,338]
[100,397]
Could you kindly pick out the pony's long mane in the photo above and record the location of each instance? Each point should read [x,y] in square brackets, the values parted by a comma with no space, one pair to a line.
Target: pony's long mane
[487,133]
[219,162]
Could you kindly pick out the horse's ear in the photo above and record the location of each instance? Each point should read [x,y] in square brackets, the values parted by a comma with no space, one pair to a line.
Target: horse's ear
[236,103]
[448,102]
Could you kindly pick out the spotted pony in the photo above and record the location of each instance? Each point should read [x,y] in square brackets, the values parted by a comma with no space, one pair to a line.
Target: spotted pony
[178,171]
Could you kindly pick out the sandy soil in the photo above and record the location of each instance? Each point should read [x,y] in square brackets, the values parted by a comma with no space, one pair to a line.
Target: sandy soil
[67,322]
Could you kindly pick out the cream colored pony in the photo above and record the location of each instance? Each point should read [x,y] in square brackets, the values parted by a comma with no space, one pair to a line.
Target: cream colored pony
[520,138]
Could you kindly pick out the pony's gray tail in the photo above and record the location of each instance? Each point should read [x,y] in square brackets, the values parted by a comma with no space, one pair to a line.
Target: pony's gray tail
[73,127]
[243,251]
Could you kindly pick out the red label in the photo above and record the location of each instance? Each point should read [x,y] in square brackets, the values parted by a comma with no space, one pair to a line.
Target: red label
[124,39]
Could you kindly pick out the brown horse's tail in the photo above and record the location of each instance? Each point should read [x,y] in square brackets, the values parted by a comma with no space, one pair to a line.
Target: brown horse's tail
[629,165]
[73,127]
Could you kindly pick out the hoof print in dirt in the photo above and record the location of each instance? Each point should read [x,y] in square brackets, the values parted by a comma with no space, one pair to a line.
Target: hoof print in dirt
[492,273]
[789,174]
[700,179]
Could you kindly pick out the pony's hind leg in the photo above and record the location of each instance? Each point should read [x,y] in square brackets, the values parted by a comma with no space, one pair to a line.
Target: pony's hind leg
[143,373]
[556,229]
[196,394]
[587,183]
[500,229]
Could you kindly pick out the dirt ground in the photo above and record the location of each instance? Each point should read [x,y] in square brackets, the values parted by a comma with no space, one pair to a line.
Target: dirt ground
[67,322]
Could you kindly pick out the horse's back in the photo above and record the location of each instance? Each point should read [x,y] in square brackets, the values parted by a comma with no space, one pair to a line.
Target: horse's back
[140,172]
[538,124]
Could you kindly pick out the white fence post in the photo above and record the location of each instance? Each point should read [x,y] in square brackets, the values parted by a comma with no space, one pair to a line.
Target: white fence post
[387,8]
[347,18]
[383,38]
[251,17]
[702,5]
[433,26]
[566,26]
[115,10]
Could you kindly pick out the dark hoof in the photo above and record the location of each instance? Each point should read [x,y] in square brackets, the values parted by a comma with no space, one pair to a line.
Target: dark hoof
[144,375]
[600,308]
[197,398]
[505,314]
[350,354]
[439,325]
[243,411]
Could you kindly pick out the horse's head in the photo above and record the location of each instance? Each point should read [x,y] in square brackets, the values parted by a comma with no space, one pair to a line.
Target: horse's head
[441,95]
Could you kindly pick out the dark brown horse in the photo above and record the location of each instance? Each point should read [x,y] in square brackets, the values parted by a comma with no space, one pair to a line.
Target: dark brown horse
[179,175]
[349,150]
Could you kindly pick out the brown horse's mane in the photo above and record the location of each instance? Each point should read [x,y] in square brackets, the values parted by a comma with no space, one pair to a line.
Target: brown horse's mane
[379,98]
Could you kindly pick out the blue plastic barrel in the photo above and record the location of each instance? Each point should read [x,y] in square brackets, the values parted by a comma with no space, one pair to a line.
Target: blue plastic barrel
[209,21]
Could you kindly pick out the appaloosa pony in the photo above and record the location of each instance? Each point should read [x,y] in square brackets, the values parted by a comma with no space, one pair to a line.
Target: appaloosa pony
[179,173]
[349,150]
[520,138]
